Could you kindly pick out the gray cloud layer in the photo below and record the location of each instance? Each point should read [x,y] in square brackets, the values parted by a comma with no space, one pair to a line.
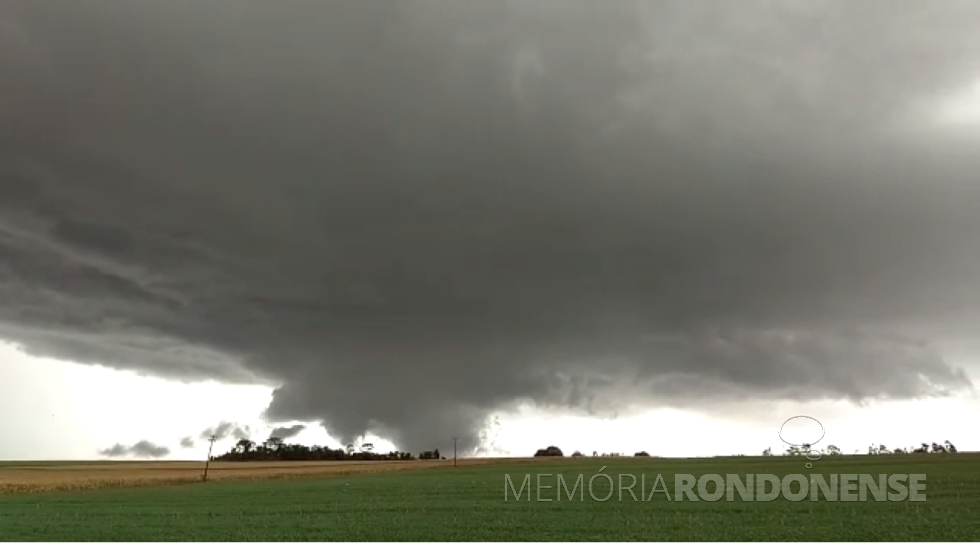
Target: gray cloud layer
[141,449]
[286,432]
[187,442]
[409,215]
[225,430]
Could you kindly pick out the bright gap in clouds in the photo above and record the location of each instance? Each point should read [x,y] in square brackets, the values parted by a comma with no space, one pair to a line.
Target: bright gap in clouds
[71,411]
[315,434]
[960,108]
[751,429]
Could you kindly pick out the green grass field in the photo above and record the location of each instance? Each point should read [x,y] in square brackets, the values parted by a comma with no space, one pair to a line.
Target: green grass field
[467,503]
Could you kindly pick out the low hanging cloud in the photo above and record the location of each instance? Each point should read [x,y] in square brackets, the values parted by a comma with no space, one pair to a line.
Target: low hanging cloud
[286,432]
[140,449]
[225,430]
[187,443]
[583,205]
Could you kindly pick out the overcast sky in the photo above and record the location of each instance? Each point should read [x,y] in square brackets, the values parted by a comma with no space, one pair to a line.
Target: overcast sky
[401,218]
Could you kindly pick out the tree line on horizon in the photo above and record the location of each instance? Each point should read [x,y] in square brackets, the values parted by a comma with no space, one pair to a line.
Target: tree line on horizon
[276,448]
[833,450]
[555,451]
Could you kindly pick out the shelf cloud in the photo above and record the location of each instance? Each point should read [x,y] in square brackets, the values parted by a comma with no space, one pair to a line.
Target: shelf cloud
[405,217]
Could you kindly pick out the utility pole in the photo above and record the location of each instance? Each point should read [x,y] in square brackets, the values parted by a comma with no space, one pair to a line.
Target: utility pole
[454,451]
[208,461]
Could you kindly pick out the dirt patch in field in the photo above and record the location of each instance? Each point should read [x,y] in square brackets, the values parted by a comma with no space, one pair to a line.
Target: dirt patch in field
[40,477]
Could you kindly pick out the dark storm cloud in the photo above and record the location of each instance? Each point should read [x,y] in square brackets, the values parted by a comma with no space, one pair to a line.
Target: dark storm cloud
[187,443]
[286,432]
[141,449]
[225,430]
[410,214]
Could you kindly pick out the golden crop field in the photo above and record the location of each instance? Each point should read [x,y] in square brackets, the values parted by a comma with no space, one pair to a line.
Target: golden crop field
[20,477]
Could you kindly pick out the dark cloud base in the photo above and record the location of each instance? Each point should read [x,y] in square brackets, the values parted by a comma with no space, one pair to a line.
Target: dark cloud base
[140,449]
[286,432]
[226,430]
[407,217]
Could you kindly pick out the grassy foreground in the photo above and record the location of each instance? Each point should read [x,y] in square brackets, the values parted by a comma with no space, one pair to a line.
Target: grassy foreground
[467,503]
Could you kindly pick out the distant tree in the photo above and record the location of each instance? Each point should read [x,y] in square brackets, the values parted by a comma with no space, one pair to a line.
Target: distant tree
[950,447]
[882,449]
[833,450]
[595,453]
[937,448]
[642,453]
[244,446]
[767,452]
[577,454]
[549,451]
[273,443]
[367,447]
[899,451]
